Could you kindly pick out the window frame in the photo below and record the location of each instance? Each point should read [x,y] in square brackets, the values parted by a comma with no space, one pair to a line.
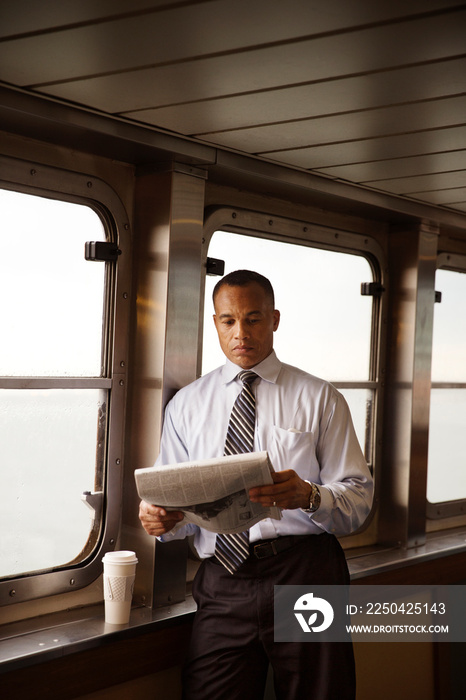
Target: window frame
[54,183]
[262,225]
[447,509]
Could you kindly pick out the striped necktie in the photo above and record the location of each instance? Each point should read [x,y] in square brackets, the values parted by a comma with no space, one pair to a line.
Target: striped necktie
[232,550]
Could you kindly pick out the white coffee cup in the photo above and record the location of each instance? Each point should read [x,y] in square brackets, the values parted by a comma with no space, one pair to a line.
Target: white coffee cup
[119,575]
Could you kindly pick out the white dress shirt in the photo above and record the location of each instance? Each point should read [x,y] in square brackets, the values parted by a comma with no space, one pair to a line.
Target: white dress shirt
[303,422]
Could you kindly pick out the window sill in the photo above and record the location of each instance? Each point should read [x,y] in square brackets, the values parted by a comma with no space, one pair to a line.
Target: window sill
[53,636]
[373,561]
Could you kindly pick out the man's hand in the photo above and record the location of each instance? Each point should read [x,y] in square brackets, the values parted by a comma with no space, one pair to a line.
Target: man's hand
[157,521]
[287,491]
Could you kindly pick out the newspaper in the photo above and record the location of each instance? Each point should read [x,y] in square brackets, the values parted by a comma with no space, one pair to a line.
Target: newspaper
[212,493]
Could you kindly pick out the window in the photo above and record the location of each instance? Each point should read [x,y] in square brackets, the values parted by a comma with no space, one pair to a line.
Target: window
[326,325]
[56,392]
[446,475]
[52,327]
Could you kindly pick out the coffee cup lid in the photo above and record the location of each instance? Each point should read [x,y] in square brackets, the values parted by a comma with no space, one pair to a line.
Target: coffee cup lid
[123,557]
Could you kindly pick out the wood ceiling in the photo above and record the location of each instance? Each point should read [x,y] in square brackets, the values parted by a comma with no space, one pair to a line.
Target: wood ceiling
[371,92]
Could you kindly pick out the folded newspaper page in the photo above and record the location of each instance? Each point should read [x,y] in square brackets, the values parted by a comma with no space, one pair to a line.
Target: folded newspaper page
[212,493]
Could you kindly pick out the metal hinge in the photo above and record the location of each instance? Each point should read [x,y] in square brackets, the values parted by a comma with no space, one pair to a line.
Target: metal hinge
[214,266]
[371,289]
[94,500]
[101,251]
[438,297]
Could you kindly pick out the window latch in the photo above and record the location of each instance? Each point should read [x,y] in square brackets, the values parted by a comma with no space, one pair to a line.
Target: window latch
[94,501]
[101,251]
[371,289]
[215,267]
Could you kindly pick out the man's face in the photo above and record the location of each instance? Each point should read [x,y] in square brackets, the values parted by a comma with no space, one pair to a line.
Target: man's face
[245,321]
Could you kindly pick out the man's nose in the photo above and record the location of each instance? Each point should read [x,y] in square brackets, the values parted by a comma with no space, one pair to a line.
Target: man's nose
[241,330]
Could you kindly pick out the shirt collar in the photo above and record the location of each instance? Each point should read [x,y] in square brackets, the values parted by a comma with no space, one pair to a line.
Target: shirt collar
[268,369]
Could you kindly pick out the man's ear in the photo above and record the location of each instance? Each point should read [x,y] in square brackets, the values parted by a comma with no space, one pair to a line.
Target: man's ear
[276,319]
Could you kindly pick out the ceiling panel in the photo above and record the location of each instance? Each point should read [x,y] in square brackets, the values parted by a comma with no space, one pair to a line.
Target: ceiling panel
[450,196]
[403,119]
[31,17]
[195,80]
[129,45]
[373,93]
[387,169]
[334,96]
[423,183]
[423,142]
[460,206]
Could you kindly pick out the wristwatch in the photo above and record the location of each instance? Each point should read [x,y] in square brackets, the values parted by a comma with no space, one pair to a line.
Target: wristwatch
[314,498]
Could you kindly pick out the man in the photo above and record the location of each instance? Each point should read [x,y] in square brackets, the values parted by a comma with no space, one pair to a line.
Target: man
[321,483]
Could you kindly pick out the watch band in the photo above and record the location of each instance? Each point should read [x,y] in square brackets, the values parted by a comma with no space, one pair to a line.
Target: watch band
[314,498]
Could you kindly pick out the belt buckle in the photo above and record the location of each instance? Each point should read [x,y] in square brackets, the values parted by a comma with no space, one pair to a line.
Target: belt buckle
[264,550]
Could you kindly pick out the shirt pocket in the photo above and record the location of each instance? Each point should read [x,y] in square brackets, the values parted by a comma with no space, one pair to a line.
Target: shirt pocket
[290,449]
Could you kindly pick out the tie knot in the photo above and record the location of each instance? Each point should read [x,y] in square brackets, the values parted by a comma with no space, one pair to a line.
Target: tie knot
[247,376]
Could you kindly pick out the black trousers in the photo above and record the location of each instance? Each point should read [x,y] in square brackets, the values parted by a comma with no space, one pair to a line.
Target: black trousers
[233,634]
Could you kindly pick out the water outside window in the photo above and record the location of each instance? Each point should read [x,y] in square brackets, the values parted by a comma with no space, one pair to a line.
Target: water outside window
[446,476]
[52,329]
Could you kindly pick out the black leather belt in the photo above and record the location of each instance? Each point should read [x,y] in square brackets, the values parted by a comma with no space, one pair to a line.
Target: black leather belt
[270,548]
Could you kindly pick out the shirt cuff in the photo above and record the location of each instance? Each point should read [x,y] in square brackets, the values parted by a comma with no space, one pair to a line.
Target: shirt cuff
[324,511]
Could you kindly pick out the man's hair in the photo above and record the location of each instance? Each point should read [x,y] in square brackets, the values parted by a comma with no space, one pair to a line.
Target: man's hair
[241,278]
